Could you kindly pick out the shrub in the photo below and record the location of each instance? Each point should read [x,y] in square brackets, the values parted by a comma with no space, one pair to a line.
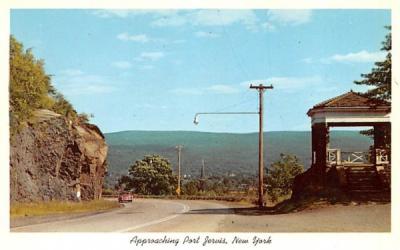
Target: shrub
[281,175]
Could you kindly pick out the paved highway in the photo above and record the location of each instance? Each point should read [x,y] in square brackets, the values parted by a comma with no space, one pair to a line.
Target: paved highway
[148,215]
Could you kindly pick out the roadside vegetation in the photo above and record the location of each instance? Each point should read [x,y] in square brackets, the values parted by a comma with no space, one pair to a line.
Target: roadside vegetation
[31,89]
[280,176]
[60,207]
[152,177]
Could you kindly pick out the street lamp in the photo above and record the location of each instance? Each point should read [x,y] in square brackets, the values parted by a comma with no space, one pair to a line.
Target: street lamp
[196,116]
[260,88]
[196,120]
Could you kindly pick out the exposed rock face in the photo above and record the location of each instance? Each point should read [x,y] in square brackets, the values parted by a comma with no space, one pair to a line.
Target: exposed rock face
[52,159]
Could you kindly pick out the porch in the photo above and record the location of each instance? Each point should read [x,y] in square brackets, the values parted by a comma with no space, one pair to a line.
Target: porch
[359,172]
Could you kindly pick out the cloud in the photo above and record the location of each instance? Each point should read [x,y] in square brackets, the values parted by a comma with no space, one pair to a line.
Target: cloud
[179,41]
[268,26]
[71,72]
[141,38]
[122,13]
[121,64]
[160,18]
[223,17]
[352,57]
[281,83]
[286,83]
[150,56]
[307,60]
[213,89]
[146,67]
[112,13]
[76,82]
[289,17]
[204,18]
[203,34]
[169,19]
[222,89]
[187,91]
[214,17]
[358,57]
[150,106]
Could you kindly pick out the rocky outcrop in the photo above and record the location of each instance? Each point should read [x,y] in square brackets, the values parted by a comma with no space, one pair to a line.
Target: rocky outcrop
[52,158]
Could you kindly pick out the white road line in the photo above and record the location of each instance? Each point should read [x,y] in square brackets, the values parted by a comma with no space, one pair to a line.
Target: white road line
[150,223]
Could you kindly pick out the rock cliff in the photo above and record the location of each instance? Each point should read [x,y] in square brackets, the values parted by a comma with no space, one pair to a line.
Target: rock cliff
[52,158]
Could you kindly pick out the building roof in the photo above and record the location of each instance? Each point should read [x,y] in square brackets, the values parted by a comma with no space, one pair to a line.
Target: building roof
[350,102]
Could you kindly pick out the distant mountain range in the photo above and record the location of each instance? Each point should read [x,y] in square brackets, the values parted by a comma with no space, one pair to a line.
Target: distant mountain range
[223,153]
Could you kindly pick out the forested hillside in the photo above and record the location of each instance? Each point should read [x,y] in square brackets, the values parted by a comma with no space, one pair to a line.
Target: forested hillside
[224,153]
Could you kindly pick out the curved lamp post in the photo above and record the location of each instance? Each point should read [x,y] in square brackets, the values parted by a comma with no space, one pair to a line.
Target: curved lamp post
[260,88]
[196,116]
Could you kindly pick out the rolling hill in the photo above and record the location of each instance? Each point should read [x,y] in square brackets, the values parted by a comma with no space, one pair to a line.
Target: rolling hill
[224,153]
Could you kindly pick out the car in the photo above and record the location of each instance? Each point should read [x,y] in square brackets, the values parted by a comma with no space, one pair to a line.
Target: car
[125,197]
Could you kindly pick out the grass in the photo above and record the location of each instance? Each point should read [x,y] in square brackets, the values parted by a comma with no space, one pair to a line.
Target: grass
[59,207]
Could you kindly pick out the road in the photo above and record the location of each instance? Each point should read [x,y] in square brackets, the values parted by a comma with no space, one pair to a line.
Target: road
[150,215]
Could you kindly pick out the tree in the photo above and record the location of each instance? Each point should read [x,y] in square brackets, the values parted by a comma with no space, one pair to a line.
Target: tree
[63,107]
[124,183]
[152,175]
[31,89]
[192,187]
[30,86]
[380,77]
[280,177]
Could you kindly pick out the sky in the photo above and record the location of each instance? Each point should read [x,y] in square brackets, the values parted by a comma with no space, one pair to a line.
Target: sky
[153,70]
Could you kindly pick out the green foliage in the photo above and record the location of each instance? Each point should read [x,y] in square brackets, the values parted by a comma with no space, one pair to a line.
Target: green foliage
[31,89]
[151,176]
[192,187]
[29,85]
[218,186]
[84,118]
[281,175]
[124,183]
[380,76]
[63,107]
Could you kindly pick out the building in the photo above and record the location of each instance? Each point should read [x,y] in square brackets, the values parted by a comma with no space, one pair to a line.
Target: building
[360,175]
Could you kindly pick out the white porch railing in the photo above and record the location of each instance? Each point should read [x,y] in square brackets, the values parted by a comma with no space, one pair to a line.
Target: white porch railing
[336,157]
[356,157]
[381,156]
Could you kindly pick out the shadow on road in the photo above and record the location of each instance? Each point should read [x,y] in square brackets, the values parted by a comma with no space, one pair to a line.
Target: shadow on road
[284,207]
[212,211]
[247,211]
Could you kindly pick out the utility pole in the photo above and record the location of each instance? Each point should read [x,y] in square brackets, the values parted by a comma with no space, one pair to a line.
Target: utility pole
[178,190]
[260,88]
[202,175]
